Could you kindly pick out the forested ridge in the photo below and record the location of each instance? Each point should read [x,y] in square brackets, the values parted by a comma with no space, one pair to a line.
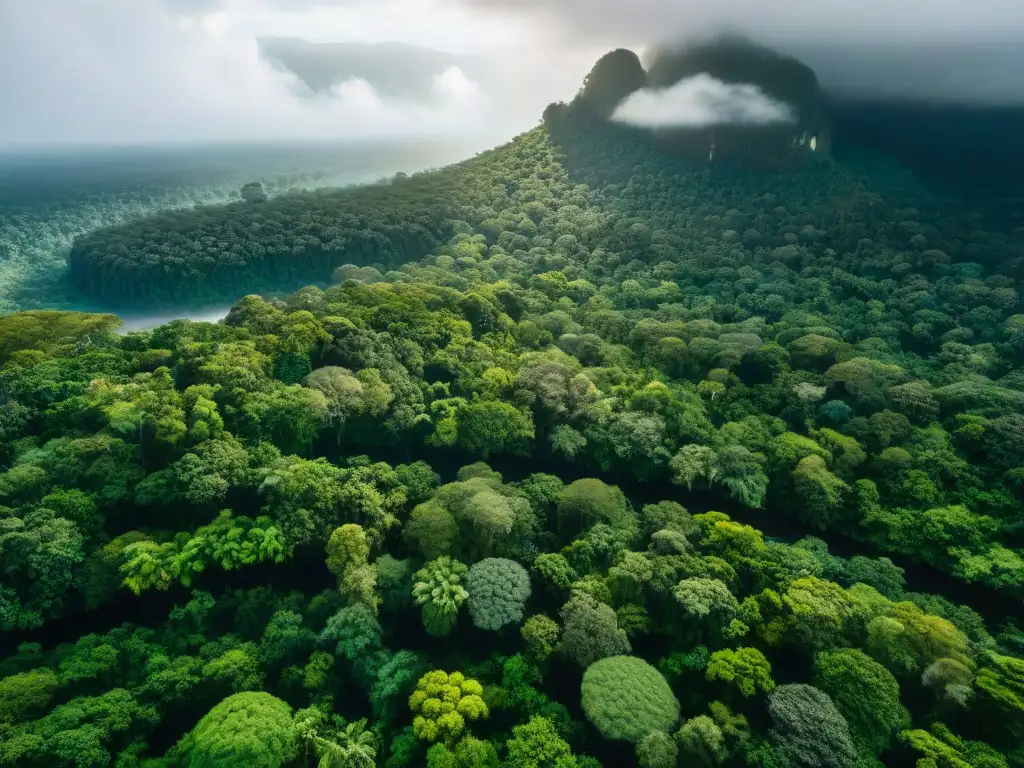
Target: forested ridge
[223,251]
[810,346]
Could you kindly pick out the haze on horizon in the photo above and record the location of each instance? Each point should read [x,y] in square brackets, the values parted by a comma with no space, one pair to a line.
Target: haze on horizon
[151,71]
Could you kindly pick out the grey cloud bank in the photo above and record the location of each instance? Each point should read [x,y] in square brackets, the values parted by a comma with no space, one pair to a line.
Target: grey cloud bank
[939,50]
[142,71]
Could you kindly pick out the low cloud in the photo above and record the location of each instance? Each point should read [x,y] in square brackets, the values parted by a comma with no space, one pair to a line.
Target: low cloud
[700,101]
[113,72]
[140,71]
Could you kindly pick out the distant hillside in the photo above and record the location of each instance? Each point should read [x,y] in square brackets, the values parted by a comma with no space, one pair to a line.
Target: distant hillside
[976,149]
[218,253]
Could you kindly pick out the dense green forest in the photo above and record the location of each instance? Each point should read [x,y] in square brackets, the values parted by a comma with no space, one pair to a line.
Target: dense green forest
[392,522]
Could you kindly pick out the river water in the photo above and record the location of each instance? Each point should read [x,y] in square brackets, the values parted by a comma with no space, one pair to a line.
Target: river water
[145,321]
[48,197]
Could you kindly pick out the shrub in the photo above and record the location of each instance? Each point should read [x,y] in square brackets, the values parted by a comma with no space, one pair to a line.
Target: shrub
[626,698]
[809,730]
[498,590]
[252,729]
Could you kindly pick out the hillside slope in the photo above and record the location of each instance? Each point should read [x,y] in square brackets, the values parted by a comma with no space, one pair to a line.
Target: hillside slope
[287,539]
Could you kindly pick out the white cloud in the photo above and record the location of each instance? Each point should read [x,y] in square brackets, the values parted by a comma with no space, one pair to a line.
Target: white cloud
[700,101]
[452,84]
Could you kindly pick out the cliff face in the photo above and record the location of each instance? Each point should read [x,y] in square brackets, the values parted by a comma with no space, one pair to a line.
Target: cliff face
[762,147]
[776,146]
[614,77]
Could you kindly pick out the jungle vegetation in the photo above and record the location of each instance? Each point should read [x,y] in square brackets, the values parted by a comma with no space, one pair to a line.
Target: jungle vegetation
[293,538]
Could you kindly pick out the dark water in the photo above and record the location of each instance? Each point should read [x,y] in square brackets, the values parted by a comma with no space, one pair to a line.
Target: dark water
[144,321]
[49,197]
[62,174]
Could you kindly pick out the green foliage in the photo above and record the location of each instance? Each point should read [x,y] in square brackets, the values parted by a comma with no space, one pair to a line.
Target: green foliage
[701,741]
[83,731]
[536,744]
[498,589]
[657,750]
[808,729]
[438,588]
[26,693]
[404,749]
[471,752]
[540,634]
[236,669]
[591,631]
[44,329]
[348,551]
[394,582]
[40,555]
[585,503]
[347,745]
[818,610]
[706,601]
[443,703]
[395,681]
[906,639]
[1001,683]
[865,693]
[943,749]
[626,698]
[246,729]
[694,660]
[820,492]
[746,668]
[230,542]
[555,571]
[488,426]
[829,345]
[352,632]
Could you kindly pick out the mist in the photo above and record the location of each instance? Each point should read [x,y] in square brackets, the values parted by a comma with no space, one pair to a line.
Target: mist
[158,71]
[151,71]
[945,51]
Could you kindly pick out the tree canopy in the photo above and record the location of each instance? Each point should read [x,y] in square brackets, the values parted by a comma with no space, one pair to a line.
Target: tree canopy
[609,402]
[626,698]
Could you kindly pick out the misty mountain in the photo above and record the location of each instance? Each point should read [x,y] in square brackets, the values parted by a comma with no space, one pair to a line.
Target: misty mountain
[395,70]
[726,98]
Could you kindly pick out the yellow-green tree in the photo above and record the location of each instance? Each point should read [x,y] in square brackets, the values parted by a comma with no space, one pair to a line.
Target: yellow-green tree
[443,703]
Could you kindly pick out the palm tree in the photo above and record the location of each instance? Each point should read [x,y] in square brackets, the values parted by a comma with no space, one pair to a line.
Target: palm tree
[358,745]
[351,746]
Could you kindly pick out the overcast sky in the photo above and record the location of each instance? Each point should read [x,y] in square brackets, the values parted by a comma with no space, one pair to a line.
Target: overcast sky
[113,71]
